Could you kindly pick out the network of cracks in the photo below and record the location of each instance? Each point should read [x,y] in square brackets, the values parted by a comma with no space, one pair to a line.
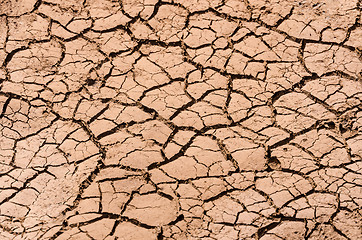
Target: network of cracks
[180,119]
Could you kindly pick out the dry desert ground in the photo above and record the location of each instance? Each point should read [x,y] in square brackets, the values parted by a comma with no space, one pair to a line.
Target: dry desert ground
[180,119]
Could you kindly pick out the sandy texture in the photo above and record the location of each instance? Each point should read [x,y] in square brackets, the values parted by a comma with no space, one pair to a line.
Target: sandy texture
[180,119]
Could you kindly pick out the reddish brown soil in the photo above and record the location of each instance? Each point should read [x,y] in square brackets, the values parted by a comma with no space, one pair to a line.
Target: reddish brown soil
[180,119]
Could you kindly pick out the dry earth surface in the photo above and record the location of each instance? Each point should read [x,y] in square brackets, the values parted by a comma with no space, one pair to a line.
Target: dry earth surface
[180,119]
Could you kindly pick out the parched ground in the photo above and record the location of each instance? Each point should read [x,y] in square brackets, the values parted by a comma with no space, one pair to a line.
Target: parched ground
[180,119]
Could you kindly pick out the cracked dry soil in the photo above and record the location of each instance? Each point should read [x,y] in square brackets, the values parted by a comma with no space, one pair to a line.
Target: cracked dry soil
[180,119]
